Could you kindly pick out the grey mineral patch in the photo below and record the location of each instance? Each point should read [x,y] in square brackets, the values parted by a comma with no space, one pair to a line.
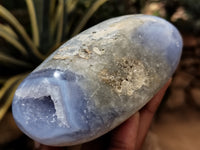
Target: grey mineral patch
[128,76]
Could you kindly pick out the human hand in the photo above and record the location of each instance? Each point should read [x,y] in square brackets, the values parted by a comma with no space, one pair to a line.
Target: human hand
[129,135]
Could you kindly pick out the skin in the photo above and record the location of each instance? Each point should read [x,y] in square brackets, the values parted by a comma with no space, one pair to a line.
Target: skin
[128,136]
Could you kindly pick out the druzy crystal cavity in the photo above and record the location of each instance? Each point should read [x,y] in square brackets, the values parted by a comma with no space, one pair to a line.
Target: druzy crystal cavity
[97,80]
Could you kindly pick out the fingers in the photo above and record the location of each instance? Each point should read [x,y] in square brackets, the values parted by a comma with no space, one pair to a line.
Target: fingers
[147,113]
[124,136]
[130,135]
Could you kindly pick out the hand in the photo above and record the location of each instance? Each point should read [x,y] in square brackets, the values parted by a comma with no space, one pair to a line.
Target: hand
[128,136]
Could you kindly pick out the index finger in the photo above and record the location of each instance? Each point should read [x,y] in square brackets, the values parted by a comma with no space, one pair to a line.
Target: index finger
[147,113]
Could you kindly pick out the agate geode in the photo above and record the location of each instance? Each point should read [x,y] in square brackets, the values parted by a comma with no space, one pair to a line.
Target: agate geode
[97,80]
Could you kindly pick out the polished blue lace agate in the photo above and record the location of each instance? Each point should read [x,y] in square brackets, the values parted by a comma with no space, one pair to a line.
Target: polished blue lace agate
[97,80]
[45,106]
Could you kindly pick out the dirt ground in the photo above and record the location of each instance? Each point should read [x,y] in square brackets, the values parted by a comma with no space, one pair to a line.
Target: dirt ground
[175,130]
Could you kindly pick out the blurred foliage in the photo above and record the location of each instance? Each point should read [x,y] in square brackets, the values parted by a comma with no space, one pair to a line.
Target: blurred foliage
[24,46]
[30,30]
[186,13]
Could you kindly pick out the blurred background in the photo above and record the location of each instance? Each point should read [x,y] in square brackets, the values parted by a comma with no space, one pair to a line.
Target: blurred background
[32,29]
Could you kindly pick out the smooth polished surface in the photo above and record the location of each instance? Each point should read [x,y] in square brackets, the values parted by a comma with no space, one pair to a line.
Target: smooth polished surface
[97,80]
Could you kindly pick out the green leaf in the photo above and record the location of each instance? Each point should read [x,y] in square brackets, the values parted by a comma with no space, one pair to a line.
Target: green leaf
[52,8]
[88,15]
[60,22]
[34,25]
[42,12]
[5,14]
[57,22]
[71,5]
[12,38]
[9,30]
[55,19]
[3,80]
[7,92]
[12,61]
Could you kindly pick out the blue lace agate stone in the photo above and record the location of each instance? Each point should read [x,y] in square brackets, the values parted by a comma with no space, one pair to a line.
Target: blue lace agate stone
[97,80]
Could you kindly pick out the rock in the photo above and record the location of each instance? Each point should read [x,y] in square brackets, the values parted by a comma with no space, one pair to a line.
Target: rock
[97,80]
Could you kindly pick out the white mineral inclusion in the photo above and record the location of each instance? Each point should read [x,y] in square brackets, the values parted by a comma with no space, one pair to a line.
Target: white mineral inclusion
[42,89]
[97,80]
